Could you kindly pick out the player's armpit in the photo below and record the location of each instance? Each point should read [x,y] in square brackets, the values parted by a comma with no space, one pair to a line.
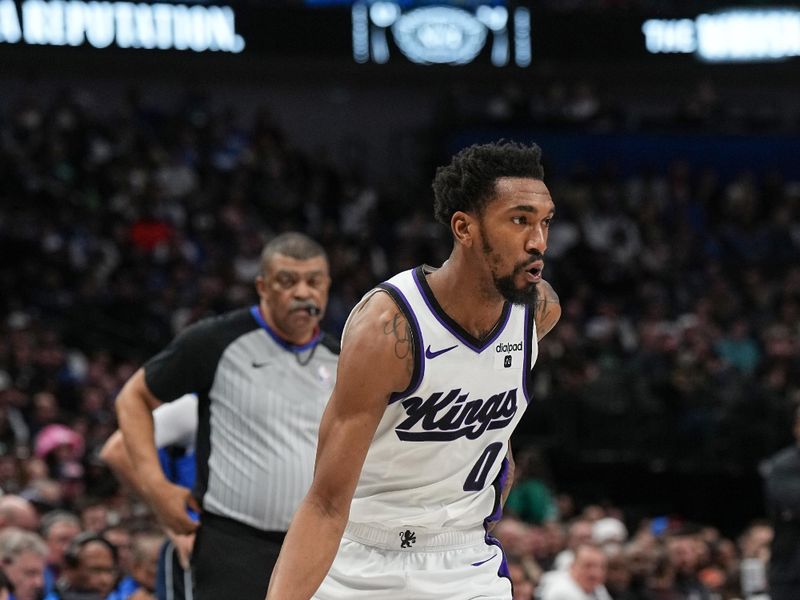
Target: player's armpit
[548,309]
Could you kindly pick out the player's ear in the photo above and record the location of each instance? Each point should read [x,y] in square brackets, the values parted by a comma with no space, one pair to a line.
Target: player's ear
[464,227]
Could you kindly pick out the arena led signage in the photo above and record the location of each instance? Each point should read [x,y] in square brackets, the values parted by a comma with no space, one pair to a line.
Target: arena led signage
[439,34]
[197,28]
[736,35]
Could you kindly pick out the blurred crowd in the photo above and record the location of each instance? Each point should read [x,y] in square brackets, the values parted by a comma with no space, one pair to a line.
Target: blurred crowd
[549,557]
[678,341]
[589,105]
[657,559]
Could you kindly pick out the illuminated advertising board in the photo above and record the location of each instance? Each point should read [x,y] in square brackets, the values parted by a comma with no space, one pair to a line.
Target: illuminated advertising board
[734,35]
[441,34]
[497,34]
[197,28]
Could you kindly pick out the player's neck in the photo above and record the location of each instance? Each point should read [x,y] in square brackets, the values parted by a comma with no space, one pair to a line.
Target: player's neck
[465,298]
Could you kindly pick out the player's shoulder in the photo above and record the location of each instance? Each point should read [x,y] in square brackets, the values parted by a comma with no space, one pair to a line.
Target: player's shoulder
[378,329]
[548,309]
[378,323]
[376,310]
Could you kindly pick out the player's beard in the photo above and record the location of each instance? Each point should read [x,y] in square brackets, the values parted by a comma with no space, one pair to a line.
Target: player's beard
[528,294]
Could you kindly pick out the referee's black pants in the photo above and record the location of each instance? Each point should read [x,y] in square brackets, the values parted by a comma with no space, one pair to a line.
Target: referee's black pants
[232,560]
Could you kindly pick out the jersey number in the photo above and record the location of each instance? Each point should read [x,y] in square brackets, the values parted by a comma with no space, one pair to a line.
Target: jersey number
[476,480]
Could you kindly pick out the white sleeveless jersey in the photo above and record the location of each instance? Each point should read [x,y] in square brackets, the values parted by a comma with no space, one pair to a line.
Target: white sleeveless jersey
[438,456]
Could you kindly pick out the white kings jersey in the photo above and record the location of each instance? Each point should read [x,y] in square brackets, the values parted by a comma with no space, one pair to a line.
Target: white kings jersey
[438,456]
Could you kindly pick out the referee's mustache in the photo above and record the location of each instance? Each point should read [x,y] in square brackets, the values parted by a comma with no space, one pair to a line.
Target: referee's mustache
[307,305]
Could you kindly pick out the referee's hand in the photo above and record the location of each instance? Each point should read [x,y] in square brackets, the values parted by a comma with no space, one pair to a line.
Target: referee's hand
[170,502]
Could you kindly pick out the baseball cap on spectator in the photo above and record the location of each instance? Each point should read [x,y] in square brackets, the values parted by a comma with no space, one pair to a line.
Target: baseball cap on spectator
[609,530]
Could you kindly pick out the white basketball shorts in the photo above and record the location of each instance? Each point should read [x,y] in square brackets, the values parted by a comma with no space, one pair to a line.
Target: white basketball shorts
[410,563]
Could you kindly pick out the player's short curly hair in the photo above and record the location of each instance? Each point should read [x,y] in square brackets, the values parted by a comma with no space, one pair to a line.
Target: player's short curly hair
[467,183]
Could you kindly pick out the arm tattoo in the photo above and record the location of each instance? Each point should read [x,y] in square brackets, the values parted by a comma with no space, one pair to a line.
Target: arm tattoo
[544,304]
[403,345]
[541,307]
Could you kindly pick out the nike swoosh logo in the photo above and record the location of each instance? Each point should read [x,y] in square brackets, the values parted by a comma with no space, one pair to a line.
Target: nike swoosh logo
[258,365]
[429,354]
[479,563]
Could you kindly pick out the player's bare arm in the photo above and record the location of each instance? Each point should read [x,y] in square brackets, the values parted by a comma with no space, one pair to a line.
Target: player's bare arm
[509,478]
[397,328]
[548,309]
[377,359]
[135,405]
[115,455]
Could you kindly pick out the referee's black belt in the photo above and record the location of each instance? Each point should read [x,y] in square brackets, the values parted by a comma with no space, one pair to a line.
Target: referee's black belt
[233,527]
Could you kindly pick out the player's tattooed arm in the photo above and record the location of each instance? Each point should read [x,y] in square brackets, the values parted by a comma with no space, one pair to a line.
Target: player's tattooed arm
[398,328]
[548,309]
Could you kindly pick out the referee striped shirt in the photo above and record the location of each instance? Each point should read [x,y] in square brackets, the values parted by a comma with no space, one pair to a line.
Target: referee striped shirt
[260,403]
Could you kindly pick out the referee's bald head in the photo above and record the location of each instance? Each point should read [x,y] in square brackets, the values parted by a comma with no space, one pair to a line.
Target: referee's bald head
[294,245]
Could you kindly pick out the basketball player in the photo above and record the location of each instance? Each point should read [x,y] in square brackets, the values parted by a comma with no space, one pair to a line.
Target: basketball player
[434,375]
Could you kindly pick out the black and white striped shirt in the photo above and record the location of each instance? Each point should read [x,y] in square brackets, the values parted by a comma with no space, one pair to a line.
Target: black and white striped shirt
[260,404]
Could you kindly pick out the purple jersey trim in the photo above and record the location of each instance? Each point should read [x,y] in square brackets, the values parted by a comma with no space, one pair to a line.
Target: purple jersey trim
[468,340]
[254,310]
[419,362]
[496,515]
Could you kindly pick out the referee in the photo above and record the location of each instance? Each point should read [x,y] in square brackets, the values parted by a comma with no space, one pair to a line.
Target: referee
[263,376]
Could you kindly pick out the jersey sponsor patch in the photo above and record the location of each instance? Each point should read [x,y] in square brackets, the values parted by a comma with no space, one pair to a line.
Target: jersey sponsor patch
[508,356]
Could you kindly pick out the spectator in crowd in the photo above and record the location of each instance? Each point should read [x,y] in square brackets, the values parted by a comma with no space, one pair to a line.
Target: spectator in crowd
[263,377]
[782,494]
[120,537]
[754,548]
[94,515]
[640,559]
[521,582]
[684,557]
[23,554]
[18,512]
[59,528]
[141,584]
[584,578]
[90,572]
[618,576]
[579,531]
